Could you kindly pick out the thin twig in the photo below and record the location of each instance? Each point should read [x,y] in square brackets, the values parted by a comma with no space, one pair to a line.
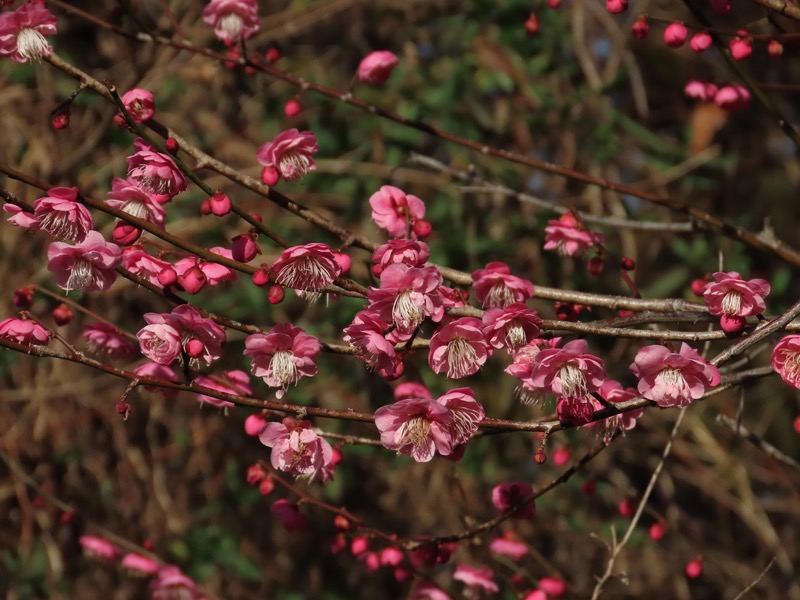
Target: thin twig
[756,581]
[758,442]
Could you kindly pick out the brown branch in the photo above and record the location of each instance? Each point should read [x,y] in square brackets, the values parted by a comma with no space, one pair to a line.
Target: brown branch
[758,442]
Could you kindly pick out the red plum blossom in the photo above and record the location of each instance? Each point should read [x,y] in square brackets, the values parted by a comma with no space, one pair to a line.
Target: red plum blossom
[291,153]
[231,382]
[62,216]
[86,266]
[105,339]
[376,67]
[309,267]
[407,295]
[396,212]
[24,331]
[496,287]
[511,327]
[568,237]
[232,20]
[459,348]
[155,172]
[416,427]
[786,360]
[23,31]
[282,356]
[298,449]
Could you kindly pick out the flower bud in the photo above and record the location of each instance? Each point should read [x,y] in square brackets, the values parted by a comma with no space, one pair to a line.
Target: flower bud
[60,118]
[627,263]
[675,35]
[220,204]
[539,457]
[253,425]
[193,280]
[359,545]
[774,48]
[23,297]
[741,48]
[123,408]
[640,28]
[700,42]
[167,277]
[126,234]
[261,277]
[616,6]
[422,228]
[694,568]
[275,294]
[194,348]
[270,175]
[266,486]
[272,55]
[532,25]
[341,523]
[292,108]
[172,145]
[62,314]
[595,265]
[589,487]
[345,262]
[732,324]
[657,530]
[245,248]
[255,474]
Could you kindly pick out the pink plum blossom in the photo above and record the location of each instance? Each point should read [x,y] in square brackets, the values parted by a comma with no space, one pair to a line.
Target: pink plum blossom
[510,495]
[24,331]
[732,98]
[98,547]
[309,267]
[106,340]
[23,31]
[288,513]
[232,20]
[171,584]
[416,427]
[480,578]
[568,237]
[701,90]
[568,372]
[730,295]
[214,273]
[525,361]
[231,382]
[149,268]
[86,266]
[155,172]
[412,389]
[291,153]
[161,343]
[139,565]
[376,67]
[192,328]
[425,590]
[366,335]
[459,348]
[140,104]
[62,216]
[407,295]
[397,212]
[159,373]
[673,378]
[282,356]
[20,217]
[453,297]
[467,413]
[612,392]
[128,197]
[298,449]
[675,34]
[496,287]
[509,548]
[786,360]
[511,327]
[408,252]
[552,586]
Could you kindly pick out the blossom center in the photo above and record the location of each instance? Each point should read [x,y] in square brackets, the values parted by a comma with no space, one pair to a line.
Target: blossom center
[573,383]
[461,358]
[31,44]
[60,226]
[305,273]
[136,208]
[732,303]
[499,296]
[407,313]
[284,369]
[294,165]
[515,335]
[81,275]
[671,377]
[792,365]
[232,25]
[416,431]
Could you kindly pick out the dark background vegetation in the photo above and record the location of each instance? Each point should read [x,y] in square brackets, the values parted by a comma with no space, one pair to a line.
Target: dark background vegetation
[582,94]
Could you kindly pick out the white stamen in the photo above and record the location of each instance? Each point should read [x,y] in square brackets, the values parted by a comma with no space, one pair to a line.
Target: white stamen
[232,25]
[573,383]
[461,358]
[284,368]
[59,225]
[515,336]
[294,165]
[671,377]
[406,313]
[499,296]
[81,276]
[305,273]
[31,44]
[732,303]
[415,431]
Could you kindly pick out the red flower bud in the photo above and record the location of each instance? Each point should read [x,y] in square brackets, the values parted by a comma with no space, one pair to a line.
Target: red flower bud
[220,204]
[172,145]
[292,108]
[62,314]
[275,294]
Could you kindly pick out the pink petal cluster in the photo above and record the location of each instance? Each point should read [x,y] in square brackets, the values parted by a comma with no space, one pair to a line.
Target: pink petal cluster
[730,97]
[291,153]
[509,548]
[106,340]
[210,273]
[407,295]
[400,251]
[150,268]
[612,391]
[412,389]
[138,565]
[282,356]
[183,329]
[673,378]
[496,287]
[376,67]
[568,372]
[20,217]
[232,20]
[159,373]
[730,295]
[98,547]
[155,172]
[425,590]
[62,216]
[398,213]
[309,267]
[511,327]
[298,449]
[480,578]
[86,266]
[508,496]
[23,31]
[366,335]
[231,382]
[568,237]
[24,331]
[459,348]
[786,360]
[421,427]
[127,196]
[140,104]
[525,361]
[171,584]
[288,513]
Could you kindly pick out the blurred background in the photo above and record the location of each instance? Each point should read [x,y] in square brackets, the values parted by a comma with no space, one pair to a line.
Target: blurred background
[580,92]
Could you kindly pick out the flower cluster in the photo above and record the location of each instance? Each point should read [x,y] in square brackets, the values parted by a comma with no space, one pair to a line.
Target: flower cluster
[183,330]
[282,356]
[298,449]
